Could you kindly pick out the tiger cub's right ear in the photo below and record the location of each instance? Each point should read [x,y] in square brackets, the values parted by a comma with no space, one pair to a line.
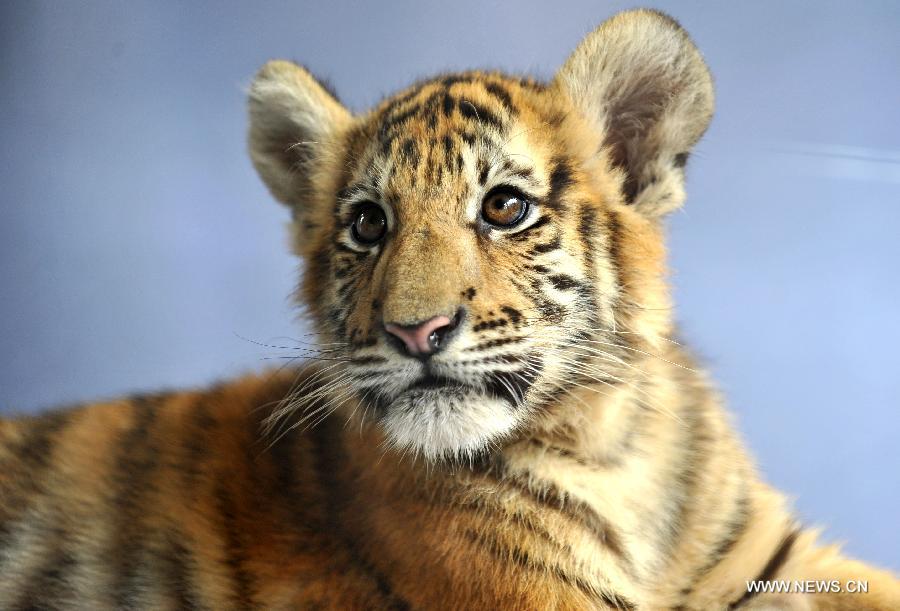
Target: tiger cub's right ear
[292,119]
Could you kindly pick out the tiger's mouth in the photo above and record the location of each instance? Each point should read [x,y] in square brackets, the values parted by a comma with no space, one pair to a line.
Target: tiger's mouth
[450,407]
[430,382]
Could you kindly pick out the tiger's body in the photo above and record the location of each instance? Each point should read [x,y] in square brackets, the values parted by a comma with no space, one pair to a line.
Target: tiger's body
[500,418]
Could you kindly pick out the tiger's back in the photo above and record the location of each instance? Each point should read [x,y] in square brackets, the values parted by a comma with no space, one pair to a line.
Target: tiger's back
[178,501]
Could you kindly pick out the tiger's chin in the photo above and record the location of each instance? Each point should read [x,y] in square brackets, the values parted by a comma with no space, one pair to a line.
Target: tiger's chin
[448,422]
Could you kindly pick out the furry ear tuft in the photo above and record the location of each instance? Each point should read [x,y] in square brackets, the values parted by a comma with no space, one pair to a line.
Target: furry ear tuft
[643,84]
[292,119]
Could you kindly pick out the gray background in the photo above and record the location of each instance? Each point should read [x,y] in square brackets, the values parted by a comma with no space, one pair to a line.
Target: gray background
[138,248]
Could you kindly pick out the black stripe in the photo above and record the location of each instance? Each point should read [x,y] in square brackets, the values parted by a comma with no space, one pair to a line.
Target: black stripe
[490,324]
[502,95]
[735,528]
[587,231]
[483,171]
[395,104]
[49,587]
[195,440]
[233,545]
[776,561]
[137,460]
[569,455]
[39,440]
[448,103]
[513,385]
[395,122]
[564,282]
[527,233]
[486,508]
[479,113]
[330,462]
[778,558]
[178,566]
[550,311]
[30,458]
[469,138]
[552,498]
[523,174]
[560,180]
[614,237]
[542,249]
[284,456]
[696,440]
[514,315]
[368,360]
[522,559]
[494,343]
[410,152]
[452,79]
[528,82]
[447,142]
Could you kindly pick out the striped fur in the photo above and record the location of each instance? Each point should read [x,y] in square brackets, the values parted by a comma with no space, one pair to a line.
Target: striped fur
[560,451]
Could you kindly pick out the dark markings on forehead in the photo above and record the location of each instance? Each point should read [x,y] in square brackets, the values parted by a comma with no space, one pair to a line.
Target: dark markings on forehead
[476,109]
[410,152]
[469,138]
[480,113]
[448,145]
[443,101]
[500,92]
[452,79]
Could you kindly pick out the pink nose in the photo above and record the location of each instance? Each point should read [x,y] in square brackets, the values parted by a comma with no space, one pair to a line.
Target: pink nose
[422,338]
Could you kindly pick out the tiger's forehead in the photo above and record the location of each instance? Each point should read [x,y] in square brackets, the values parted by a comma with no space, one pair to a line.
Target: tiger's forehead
[453,135]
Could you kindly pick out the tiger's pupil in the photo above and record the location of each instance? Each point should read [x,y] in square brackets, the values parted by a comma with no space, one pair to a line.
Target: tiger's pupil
[370,225]
[503,209]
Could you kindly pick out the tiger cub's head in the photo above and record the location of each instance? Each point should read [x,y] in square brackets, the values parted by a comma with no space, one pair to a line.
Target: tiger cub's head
[478,245]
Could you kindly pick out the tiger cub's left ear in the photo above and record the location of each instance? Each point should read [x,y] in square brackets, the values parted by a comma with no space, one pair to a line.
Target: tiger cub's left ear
[644,86]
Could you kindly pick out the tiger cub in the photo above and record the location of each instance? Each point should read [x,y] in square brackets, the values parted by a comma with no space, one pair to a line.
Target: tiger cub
[497,416]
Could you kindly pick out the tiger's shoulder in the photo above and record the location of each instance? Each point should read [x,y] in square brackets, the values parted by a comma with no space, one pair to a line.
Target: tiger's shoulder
[181,498]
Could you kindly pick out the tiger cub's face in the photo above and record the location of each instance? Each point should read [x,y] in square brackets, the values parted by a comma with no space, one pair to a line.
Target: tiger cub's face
[478,245]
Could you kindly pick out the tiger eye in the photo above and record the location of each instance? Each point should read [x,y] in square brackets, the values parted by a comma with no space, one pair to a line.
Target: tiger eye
[503,209]
[370,224]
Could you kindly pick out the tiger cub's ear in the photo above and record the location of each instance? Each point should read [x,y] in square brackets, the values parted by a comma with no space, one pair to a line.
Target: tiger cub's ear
[292,119]
[643,84]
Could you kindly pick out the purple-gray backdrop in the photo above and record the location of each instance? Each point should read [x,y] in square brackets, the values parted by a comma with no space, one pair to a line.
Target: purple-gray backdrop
[137,247]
